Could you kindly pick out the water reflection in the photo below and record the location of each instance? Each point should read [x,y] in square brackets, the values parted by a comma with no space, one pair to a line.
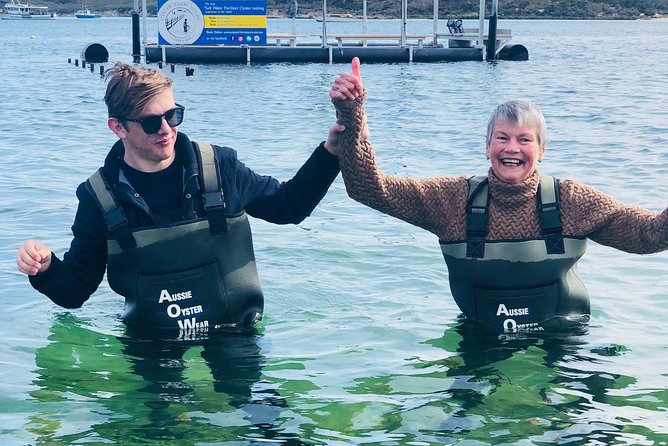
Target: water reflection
[531,389]
[478,347]
[134,391]
[534,389]
[543,388]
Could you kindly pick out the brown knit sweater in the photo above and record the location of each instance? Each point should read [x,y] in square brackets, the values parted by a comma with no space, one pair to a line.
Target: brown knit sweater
[439,204]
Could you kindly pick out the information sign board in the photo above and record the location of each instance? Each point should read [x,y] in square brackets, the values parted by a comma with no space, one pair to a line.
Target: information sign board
[212,22]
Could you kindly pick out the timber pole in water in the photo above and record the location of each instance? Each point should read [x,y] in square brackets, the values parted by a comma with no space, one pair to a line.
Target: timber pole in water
[491,34]
[136,46]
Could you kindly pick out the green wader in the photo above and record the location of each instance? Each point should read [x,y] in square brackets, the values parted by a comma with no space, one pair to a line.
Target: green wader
[520,284]
[195,276]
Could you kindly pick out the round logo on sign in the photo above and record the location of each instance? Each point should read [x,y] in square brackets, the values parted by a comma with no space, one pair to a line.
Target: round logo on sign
[180,22]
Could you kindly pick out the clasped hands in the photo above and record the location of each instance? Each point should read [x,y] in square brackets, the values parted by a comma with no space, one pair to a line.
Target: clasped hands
[346,87]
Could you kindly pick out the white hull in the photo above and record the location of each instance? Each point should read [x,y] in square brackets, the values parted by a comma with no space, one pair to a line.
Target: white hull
[86,14]
[338,18]
[15,10]
[27,17]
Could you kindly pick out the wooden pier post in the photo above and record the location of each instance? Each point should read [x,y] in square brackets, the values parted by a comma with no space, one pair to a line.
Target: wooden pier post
[491,34]
[136,46]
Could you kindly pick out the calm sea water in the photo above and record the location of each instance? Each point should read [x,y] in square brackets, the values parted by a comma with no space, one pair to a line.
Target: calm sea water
[361,342]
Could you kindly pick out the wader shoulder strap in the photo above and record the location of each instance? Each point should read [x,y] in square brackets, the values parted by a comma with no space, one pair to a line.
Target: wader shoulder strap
[477,216]
[214,199]
[550,214]
[113,214]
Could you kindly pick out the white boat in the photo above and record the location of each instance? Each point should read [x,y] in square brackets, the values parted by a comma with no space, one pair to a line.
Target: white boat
[85,13]
[334,17]
[15,10]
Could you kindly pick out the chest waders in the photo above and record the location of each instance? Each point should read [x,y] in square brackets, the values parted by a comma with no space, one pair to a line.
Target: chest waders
[518,285]
[195,276]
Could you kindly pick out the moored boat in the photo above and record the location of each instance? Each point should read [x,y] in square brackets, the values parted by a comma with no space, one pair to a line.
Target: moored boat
[85,13]
[334,17]
[15,10]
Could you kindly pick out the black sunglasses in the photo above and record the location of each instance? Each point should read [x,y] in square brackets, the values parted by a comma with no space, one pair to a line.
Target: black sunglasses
[151,124]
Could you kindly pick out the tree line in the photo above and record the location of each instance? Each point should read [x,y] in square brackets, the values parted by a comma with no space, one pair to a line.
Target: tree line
[508,9]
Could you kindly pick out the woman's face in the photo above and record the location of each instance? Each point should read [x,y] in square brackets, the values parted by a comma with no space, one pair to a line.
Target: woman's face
[513,151]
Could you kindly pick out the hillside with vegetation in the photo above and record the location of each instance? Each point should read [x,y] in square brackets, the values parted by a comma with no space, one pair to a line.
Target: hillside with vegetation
[508,9]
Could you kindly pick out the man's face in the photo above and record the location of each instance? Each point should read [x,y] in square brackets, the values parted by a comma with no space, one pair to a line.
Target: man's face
[514,151]
[148,152]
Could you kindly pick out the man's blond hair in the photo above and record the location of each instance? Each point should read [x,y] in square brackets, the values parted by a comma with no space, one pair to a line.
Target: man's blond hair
[131,88]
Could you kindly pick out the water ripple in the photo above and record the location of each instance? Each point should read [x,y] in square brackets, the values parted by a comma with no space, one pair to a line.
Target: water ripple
[361,341]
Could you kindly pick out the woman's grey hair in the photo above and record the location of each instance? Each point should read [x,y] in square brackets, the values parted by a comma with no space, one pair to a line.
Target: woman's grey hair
[519,112]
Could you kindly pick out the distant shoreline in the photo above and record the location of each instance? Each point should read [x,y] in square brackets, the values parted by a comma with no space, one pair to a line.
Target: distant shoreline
[279,16]
[284,17]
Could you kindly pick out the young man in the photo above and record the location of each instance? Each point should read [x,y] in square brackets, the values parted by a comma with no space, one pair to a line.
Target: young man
[167,218]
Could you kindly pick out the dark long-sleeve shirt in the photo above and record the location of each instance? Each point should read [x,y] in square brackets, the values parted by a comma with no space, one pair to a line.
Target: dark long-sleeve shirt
[71,281]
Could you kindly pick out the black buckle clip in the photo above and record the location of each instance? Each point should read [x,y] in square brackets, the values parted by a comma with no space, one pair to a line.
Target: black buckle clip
[213,200]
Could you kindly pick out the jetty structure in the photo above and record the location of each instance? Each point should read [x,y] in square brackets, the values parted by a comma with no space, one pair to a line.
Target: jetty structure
[235,31]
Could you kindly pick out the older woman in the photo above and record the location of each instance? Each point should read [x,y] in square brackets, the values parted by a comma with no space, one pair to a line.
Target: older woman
[511,239]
